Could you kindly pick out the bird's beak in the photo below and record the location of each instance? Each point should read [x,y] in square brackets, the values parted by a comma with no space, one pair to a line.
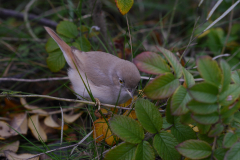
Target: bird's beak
[130,92]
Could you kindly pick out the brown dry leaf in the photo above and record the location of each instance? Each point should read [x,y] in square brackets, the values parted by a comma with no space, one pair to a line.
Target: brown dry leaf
[102,129]
[34,109]
[36,128]
[4,130]
[132,114]
[9,146]
[71,118]
[13,156]
[11,106]
[19,123]
[104,112]
[48,121]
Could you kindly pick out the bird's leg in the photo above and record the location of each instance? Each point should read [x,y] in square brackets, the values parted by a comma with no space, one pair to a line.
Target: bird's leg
[97,103]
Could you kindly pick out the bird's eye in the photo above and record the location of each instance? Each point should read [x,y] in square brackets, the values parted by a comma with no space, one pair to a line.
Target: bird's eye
[120,81]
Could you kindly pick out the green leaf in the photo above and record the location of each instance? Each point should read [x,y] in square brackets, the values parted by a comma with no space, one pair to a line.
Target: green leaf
[188,78]
[206,118]
[169,116]
[233,153]
[186,119]
[67,29]
[202,108]
[124,5]
[84,44]
[165,123]
[127,129]
[209,70]
[162,86]
[237,117]
[219,153]
[204,92]
[151,63]
[194,149]
[203,129]
[229,140]
[216,130]
[55,61]
[230,95]
[182,132]
[51,45]
[226,79]
[177,67]
[148,115]
[144,151]
[236,76]
[179,100]
[228,111]
[165,143]
[124,151]
[237,132]
[205,138]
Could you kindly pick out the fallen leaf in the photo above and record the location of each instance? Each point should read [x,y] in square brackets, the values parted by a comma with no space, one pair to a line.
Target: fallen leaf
[48,121]
[13,146]
[34,109]
[4,130]
[13,156]
[19,123]
[36,128]
[71,118]
[132,114]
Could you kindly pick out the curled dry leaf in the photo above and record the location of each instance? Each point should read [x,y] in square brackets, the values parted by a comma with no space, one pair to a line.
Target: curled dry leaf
[101,130]
[71,118]
[19,123]
[4,130]
[13,146]
[48,121]
[36,128]
[13,156]
[34,109]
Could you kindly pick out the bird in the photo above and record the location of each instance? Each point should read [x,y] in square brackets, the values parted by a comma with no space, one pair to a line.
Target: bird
[110,79]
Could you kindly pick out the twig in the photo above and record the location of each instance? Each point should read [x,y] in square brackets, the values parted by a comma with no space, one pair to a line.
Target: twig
[34,80]
[11,13]
[62,126]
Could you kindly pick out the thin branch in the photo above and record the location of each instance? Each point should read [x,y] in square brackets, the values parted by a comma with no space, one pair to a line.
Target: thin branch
[34,80]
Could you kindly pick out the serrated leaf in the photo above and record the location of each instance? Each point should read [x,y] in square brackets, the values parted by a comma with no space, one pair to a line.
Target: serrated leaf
[162,86]
[233,153]
[55,61]
[179,100]
[209,70]
[230,95]
[127,129]
[206,118]
[202,108]
[67,29]
[216,130]
[177,67]
[151,63]
[236,76]
[219,153]
[229,140]
[165,123]
[124,151]
[204,137]
[84,44]
[194,149]
[51,45]
[188,78]
[148,115]
[204,92]
[226,79]
[228,111]
[237,117]
[144,151]
[203,129]
[182,132]
[165,143]
[124,5]
[169,116]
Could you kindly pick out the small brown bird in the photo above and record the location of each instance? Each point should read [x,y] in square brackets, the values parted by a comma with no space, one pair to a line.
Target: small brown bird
[110,79]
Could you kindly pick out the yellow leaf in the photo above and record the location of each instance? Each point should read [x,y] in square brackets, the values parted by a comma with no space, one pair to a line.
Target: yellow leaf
[69,118]
[124,5]
[36,128]
[19,123]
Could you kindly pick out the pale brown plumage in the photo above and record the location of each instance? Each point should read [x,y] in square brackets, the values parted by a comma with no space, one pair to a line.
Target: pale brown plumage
[104,73]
